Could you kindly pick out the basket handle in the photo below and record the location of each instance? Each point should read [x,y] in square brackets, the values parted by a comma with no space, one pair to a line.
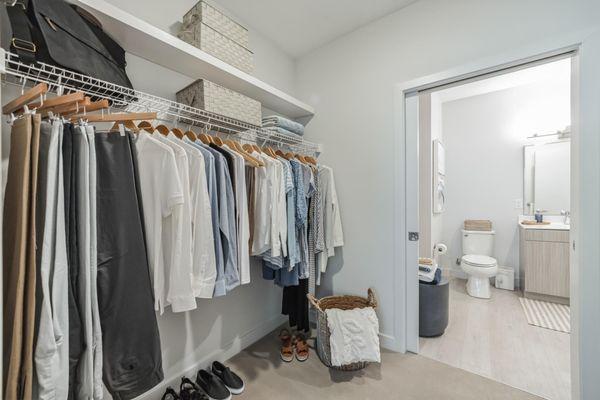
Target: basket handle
[371,298]
[313,301]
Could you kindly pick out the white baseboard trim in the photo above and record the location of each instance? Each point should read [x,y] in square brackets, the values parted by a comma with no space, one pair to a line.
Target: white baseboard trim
[232,348]
[388,342]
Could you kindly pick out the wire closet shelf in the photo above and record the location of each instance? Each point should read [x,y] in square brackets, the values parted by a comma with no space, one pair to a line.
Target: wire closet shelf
[125,99]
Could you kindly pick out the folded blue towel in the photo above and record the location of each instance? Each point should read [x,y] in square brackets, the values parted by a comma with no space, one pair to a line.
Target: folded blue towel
[280,130]
[281,122]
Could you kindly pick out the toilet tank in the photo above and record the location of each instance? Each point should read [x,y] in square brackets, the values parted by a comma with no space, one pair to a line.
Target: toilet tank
[478,242]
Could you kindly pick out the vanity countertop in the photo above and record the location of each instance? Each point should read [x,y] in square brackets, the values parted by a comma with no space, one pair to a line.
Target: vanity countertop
[557,223]
[556,226]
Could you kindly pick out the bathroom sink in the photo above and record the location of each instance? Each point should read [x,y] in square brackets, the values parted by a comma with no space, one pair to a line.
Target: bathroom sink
[558,226]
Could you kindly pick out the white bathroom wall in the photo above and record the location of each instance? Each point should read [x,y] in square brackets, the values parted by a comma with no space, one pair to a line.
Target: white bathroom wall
[484,137]
[351,84]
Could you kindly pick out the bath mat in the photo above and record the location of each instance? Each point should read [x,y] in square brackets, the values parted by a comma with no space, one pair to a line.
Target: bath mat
[547,315]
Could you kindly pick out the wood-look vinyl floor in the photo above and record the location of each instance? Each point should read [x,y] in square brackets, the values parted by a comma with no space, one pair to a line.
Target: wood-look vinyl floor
[492,338]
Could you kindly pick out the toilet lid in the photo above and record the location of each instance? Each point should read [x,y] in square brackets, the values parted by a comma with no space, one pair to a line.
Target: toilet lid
[479,260]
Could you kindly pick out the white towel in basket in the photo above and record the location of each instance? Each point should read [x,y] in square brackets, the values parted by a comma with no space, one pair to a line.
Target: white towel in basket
[354,336]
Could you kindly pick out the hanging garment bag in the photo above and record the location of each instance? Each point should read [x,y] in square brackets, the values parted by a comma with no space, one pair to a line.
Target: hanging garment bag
[55,33]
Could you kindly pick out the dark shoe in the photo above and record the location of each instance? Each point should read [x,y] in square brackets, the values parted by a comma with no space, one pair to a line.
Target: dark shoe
[170,394]
[188,390]
[232,381]
[212,386]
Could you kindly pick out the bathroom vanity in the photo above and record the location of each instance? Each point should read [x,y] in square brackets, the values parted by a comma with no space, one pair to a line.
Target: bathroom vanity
[544,259]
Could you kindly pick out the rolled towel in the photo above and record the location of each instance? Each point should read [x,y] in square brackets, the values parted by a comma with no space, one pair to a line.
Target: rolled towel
[281,122]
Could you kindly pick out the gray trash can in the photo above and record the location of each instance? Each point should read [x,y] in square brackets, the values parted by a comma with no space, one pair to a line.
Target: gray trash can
[433,308]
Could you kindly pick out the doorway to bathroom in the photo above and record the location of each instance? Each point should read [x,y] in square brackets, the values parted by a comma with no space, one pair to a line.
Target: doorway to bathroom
[494,223]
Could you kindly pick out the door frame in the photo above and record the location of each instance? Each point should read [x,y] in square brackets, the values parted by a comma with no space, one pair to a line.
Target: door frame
[406,188]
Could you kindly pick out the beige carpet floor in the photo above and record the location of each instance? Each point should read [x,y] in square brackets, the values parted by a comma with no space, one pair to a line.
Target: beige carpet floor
[400,376]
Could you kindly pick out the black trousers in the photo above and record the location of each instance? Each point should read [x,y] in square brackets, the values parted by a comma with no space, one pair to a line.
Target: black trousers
[70,171]
[295,305]
[132,361]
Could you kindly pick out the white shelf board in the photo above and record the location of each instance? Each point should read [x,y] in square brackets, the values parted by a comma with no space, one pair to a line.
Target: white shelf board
[144,40]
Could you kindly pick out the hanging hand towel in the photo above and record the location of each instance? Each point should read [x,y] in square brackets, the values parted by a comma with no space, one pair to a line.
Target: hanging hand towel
[354,336]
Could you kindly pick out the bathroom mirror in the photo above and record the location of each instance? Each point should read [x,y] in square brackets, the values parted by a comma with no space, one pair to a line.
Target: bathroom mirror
[547,177]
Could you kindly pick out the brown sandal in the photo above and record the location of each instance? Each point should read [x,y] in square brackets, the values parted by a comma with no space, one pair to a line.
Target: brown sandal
[287,348]
[301,348]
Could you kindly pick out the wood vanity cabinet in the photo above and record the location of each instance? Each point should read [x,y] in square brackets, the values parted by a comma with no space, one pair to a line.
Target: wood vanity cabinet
[545,264]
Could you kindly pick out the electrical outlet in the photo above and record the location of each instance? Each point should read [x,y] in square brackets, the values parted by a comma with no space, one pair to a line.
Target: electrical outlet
[518,203]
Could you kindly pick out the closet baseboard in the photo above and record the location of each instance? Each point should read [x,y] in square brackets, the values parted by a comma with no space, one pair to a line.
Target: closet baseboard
[229,350]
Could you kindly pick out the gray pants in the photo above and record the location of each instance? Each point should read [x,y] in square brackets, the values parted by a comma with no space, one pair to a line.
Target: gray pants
[132,360]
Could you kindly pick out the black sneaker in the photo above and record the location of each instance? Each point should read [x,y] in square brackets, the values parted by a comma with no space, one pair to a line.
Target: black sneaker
[212,386]
[170,394]
[188,390]
[232,381]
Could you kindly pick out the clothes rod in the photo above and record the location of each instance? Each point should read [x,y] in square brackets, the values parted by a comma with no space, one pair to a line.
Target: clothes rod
[124,99]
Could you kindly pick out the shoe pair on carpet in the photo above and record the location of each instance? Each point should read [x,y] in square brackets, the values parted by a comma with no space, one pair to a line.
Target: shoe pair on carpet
[219,384]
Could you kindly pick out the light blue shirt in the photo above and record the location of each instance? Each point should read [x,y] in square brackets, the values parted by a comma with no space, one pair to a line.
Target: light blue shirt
[211,179]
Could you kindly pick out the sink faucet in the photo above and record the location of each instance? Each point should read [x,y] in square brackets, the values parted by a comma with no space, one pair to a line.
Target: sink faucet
[567,215]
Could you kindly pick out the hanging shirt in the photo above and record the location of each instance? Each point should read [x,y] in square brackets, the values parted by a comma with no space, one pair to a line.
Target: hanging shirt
[163,198]
[204,267]
[263,193]
[211,178]
[243,224]
[184,244]
[227,224]
[332,222]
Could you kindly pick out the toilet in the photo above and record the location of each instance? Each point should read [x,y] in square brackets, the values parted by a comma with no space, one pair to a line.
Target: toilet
[477,262]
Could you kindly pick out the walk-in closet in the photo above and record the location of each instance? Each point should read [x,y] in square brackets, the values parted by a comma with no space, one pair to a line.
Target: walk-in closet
[223,199]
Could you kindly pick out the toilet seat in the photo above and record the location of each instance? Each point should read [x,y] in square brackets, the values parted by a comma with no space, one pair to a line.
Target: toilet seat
[480,261]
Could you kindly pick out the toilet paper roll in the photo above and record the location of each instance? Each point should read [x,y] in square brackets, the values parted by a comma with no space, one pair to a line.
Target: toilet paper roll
[440,248]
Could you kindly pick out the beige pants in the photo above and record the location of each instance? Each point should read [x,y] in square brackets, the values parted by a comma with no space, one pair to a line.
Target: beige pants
[19,263]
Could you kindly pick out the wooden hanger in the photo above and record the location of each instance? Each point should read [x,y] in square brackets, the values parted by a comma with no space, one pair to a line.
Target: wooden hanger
[67,99]
[255,147]
[204,138]
[146,125]
[127,124]
[280,153]
[310,160]
[118,117]
[301,158]
[69,109]
[162,129]
[218,141]
[26,98]
[289,156]
[191,135]
[95,106]
[270,152]
[251,160]
[178,132]
[248,147]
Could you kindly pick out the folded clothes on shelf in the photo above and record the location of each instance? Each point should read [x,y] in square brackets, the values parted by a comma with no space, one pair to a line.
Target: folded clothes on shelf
[283,131]
[275,121]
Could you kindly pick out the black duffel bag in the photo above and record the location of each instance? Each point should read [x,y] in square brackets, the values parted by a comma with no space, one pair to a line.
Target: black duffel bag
[57,33]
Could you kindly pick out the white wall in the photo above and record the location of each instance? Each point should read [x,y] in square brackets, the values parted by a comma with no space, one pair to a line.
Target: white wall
[351,83]
[484,137]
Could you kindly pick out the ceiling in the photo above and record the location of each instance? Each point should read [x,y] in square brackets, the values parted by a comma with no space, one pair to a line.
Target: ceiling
[294,26]
[298,27]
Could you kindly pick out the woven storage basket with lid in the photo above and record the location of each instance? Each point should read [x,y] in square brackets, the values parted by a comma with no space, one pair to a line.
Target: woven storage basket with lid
[323,333]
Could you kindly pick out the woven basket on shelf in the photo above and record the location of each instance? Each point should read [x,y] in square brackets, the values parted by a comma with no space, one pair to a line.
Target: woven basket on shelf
[218,20]
[323,334]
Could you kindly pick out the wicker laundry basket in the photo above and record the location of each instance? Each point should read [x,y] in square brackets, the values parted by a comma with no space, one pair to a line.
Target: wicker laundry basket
[323,333]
